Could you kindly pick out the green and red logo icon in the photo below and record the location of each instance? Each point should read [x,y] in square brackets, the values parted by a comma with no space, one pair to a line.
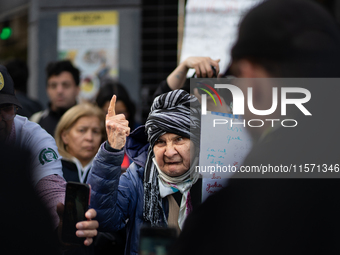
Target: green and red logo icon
[209,93]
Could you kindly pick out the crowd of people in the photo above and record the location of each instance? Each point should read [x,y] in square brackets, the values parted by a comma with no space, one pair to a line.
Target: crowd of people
[144,175]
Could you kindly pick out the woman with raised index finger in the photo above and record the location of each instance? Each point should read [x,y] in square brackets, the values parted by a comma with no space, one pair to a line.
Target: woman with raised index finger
[161,186]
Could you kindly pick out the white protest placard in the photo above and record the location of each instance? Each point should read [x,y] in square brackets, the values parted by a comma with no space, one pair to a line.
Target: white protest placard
[223,149]
[211,28]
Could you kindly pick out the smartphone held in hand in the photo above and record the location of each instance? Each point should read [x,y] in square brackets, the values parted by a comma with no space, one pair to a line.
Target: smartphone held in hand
[76,204]
[156,240]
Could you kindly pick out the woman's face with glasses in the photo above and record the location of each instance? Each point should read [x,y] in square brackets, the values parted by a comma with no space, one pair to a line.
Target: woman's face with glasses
[7,114]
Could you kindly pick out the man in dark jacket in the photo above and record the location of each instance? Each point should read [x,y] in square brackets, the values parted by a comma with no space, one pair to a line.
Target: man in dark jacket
[287,213]
[62,90]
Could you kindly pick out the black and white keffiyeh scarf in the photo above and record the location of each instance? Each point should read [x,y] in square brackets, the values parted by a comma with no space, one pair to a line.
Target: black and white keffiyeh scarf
[175,112]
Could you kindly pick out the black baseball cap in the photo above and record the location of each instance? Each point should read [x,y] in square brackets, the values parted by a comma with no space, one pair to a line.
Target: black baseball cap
[7,94]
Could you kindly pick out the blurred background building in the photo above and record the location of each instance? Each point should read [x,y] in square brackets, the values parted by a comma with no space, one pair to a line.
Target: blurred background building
[150,34]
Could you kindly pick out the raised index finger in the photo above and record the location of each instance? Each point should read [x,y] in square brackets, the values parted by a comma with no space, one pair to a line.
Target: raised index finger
[111,111]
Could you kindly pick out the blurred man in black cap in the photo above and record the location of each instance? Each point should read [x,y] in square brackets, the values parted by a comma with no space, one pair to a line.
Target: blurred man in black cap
[8,105]
[292,213]
[19,72]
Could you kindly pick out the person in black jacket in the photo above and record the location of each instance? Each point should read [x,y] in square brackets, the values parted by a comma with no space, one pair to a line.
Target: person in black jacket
[291,213]
[62,89]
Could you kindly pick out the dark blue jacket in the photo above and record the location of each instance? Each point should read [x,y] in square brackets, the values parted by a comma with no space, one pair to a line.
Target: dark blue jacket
[118,199]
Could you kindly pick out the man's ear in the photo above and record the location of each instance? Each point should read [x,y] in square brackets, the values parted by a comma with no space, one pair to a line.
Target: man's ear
[262,93]
[246,69]
[249,69]
[262,88]
[64,137]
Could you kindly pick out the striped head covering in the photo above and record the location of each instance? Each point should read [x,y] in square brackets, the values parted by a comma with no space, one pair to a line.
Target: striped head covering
[174,112]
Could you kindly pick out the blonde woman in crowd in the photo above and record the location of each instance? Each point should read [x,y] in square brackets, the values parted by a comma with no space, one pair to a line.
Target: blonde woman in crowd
[78,135]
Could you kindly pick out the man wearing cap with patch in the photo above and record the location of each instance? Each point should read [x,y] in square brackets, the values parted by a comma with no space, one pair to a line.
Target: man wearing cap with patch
[47,176]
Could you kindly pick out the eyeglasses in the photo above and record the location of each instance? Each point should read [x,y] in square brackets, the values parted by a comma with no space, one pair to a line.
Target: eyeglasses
[8,112]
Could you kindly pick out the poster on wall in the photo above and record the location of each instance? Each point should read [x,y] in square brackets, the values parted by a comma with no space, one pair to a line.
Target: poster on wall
[90,40]
[211,28]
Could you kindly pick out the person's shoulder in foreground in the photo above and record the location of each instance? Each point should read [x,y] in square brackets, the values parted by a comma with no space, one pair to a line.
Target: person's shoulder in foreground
[45,158]
[262,216]
[22,207]
[286,38]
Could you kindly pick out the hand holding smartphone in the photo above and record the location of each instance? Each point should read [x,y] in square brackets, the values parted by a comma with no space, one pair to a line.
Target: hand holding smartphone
[76,205]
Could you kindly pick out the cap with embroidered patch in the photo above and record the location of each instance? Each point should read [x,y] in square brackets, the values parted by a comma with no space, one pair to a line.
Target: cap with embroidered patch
[7,93]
